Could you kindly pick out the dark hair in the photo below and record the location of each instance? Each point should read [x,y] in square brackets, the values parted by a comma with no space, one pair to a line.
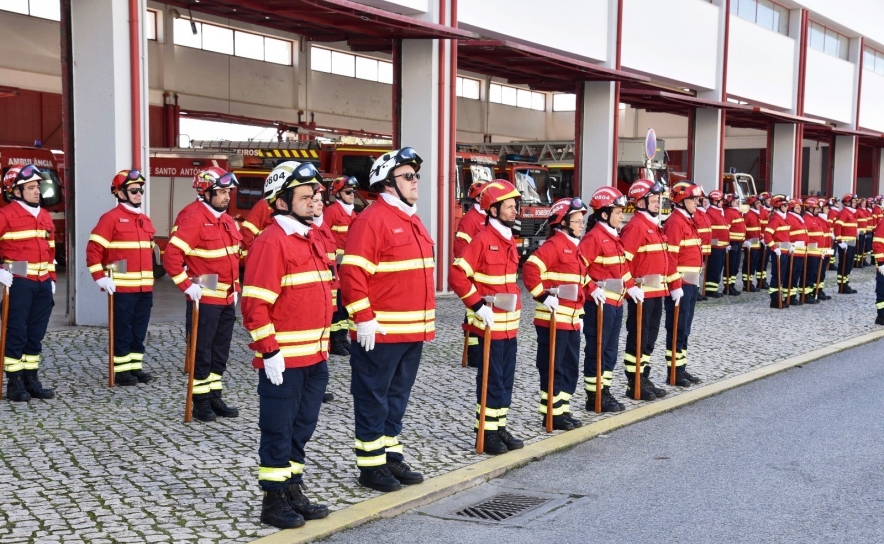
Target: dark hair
[596,216]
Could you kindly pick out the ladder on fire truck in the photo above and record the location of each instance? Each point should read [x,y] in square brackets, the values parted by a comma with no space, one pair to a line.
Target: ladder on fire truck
[553,150]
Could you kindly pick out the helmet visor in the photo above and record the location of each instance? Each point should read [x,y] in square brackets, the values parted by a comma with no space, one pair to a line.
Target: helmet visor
[619,202]
[29,171]
[406,154]
[227,181]
[307,172]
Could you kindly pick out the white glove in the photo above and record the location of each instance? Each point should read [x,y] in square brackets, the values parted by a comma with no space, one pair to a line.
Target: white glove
[551,302]
[273,368]
[194,292]
[636,293]
[235,297]
[599,296]
[727,247]
[881,269]
[747,244]
[791,249]
[107,284]
[5,278]
[843,245]
[832,234]
[778,252]
[365,332]
[486,314]
[581,326]
[53,288]
[676,295]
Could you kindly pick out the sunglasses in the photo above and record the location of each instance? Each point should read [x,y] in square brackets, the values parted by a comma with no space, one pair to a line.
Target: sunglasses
[410,176]
[348,191]
[135,191]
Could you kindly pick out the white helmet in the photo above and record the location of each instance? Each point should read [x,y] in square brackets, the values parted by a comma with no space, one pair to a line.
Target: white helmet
[289,174]
[386,163]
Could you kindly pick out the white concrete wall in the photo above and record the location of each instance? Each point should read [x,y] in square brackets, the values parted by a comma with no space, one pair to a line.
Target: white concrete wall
[578,27]
[828,87]
[871,114]
[760,65]
[30,53]
[677,43]
[862,17]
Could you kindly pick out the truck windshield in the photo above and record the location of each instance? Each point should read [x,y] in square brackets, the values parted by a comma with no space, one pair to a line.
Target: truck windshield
[533,184]
[50,190]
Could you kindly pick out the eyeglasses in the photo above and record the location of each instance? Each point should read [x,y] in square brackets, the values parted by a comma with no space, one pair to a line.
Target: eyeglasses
[348,192]
[135,191]
[410,176]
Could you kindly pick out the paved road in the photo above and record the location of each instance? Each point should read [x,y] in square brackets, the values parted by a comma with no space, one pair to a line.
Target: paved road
[797,457]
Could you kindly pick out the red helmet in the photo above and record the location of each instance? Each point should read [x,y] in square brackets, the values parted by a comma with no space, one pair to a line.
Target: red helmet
[812,202]
[343,182]
[752,199]
[683,190]
[607,197]
[476,189]
[644,187]
[564,207]
[764,195]
[778,200]
[716,195]
[831,202]
[847,198]
[214,178]
[496,191]
[126,177]
[729,198]
[794,202]
[19,175]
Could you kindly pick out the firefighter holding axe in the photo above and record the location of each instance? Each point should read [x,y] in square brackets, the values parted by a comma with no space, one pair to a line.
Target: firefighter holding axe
[555,275]
[776,239]
[202,258]
[27,249]
[125,233]
[469,226]
[484,277]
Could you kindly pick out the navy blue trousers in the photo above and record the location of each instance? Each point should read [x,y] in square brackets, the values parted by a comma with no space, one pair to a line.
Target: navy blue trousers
[212,347]
[131,317]
[566,371]
[501,377]
[687,304]
[30,305]
[612,322]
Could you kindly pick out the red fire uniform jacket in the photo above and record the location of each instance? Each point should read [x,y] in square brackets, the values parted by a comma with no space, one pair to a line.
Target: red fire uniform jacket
[704,229]
[185,211]
[863,220]
[556,262]
[798,233]
[878,244]
[467,228]
[816,234]
[777,230]
[123,234]
[206,245]
[24,237]
[327,242]
[338,221]
[286,302]
[833,216]
[877,215]
[387,274]
[736,224]
[720,230]
[646,251]
[684,246]
[489,266]
[607,260]
[846,225]
[259,218]
[754,227]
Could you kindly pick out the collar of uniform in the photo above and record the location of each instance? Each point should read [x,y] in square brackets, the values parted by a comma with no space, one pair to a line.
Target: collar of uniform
[291,225]
[852,210]
[754,210]
[478,208]
[130,209]
[650,218]
[212,210]
[570,238]
[398,204]
[30,209]
[798,216]
[347,207]
[821,215]
[685,212]
[504,231]
[611,230]
[780,213]
[317,221]
[716,208]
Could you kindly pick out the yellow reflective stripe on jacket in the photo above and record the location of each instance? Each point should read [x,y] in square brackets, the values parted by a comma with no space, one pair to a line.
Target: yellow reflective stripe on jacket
[252,228]
[495,280]
[214,253]
[100,240]
[690,242]
[141,244]
[340,228]
[260,293]
[465,266]
[409,328]
[616,259]
[651,247]
[463,236]
[303,278]
[536,261]
[296,337]
[262,332]
[24,235]
[417,315]
[358,306]
[563,277]
[361,262]
[410,264]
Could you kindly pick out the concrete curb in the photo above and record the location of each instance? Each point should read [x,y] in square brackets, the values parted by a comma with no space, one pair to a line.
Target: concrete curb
[393,504]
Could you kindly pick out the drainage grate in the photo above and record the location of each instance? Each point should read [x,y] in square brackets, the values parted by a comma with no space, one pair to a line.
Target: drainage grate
[502,506]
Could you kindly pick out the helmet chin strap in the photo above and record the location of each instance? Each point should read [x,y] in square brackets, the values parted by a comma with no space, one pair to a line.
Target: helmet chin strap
[126,199]
[22,200]
[209,202]
[646,208]
[393,184]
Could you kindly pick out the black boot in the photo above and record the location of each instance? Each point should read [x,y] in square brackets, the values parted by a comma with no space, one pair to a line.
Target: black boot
[294,493]
[794,301]
[609,403]
[35,388]
[714,294]
[511,442]
[808,299]
[15,388]
[732,291]
[646,393]
[276,511]
[775,301]
[823,295]
[493,444]
[337,345]
[576,423]
[559,423]
[327,397]
[764,285]
[879,320]
[202,410]
[848,290]
[379,478]
[659,392]
[124,378]
[680,379]
[402,472]
[687,375]
[221,409]
[142,376]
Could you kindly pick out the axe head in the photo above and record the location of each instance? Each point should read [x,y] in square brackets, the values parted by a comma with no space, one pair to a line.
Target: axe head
[812,245]
[753,241]
[714,242]
[209,281]
[505,301]
[785,245]
[17,268]
[568,291]
[119,267]
[654,281]
[339,259]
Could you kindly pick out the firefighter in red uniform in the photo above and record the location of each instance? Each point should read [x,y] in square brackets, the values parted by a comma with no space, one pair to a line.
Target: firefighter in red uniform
[26,234]
[766,211]
[207,242]
[845,236]
[831,218]
[684,265]
[558,262]
[736,227]
[720,244]
[609,281]
[387,280]
[286,309]
[817,248]
[752,267]
[775,233]
[338,216]
[704,228]
[799,240]
[126,233]
[865,226]
[646,253]
[878,256]
[468,227]
[877,212]
[489,266]
[259,218]
[828,254]
[198,183]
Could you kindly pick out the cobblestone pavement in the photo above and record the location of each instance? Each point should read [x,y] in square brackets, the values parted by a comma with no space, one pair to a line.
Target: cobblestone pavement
[119,465]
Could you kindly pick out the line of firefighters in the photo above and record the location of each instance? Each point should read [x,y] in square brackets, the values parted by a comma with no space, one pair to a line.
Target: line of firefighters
[316,278]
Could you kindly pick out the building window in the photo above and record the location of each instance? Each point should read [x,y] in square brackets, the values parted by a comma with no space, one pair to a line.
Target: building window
[44,9]
[513,96]
[564,102]
[873,60]
[228,41]
[150,25]
[765,13]
[828,41]
[349,65]
[468,88]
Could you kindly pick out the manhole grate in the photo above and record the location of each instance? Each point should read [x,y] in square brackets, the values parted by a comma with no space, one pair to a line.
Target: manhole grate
[502,506]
